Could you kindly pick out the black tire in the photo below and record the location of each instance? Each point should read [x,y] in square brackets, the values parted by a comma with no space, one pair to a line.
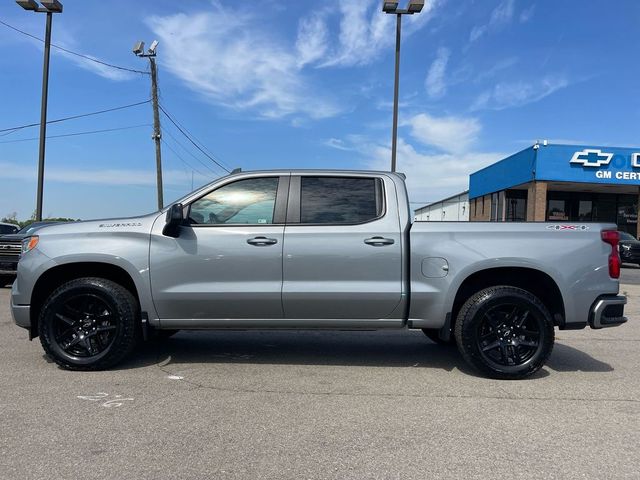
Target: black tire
[505,332]
[89,324]
[6,280]
[434,335]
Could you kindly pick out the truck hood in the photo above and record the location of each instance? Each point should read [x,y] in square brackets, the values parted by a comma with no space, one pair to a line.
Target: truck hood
[140,224]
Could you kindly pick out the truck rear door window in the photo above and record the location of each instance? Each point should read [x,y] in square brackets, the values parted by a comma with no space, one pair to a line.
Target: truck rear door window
[340,200]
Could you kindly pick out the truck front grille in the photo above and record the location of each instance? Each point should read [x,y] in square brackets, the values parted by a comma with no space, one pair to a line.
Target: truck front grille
[10,249]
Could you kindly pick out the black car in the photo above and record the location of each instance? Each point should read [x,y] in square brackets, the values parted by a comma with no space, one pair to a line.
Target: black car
[10,248]
[8,228]
[629,248]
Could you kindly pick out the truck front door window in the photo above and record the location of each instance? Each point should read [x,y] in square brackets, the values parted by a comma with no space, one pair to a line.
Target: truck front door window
[251,201]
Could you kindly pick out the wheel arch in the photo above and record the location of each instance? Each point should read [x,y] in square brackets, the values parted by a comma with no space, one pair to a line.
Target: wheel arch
[60,274]
[539,283]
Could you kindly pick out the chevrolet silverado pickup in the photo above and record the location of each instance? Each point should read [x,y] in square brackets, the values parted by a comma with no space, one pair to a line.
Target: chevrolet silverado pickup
[302,249]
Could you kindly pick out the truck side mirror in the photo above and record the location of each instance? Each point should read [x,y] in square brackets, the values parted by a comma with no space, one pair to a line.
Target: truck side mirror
[174,219]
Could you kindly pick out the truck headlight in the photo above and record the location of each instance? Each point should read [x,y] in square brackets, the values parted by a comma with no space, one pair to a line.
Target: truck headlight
[29,243]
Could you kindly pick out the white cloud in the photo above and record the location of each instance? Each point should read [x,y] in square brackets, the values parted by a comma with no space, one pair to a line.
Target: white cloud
[527,14]
[101,70]
[365,32]
[64,39]
[338,144]
[515,94]
[450,134]
[497,66]
[311,43]
[500,16]
[230,59]
[109,176]
[435,83]
[477,32]
[430,177]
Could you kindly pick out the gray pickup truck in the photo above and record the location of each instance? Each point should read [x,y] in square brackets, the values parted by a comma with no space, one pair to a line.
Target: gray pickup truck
[315,250]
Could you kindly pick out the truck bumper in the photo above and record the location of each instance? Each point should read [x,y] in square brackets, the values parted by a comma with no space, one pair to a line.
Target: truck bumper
[607,311]
[21,315]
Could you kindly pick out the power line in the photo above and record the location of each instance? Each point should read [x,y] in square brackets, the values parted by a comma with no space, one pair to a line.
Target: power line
[191,140]
[13,129]
[79,133]
[202,144]
[207,166]
[86,57]
[182,159]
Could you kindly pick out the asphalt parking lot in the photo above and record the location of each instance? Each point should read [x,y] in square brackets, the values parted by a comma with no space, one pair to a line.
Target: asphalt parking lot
[321,405]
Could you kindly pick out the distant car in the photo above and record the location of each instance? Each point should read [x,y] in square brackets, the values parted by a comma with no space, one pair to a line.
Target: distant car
[10,247]
[6,228]
[629,248]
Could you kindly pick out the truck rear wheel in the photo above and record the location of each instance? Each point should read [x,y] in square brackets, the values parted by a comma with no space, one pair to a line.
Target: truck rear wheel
[505,332]
[89,324]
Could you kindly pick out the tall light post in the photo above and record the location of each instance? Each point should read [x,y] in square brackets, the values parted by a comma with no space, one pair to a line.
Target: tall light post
[391,7]
[49,7]
[138,50]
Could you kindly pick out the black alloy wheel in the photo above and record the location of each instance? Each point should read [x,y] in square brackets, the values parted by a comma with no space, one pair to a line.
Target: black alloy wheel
[505,332]
[89,324]
[510,334]
[84,325]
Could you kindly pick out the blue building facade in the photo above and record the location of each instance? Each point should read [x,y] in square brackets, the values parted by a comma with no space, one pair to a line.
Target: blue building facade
[548,182]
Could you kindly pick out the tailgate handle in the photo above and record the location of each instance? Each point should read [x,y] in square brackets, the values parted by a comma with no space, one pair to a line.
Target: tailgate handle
[262,241]
[379,241]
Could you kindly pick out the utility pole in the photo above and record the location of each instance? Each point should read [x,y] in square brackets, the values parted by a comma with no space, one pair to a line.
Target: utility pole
[156,128]
[49,7]
[138,50]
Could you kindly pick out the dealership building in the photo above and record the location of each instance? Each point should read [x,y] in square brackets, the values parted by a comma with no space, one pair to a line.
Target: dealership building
[560,183]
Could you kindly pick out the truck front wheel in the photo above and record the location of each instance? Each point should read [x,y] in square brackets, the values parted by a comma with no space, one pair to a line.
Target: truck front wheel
[89,324]
[505,332]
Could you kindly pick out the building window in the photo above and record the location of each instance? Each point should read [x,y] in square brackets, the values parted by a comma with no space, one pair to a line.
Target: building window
[620,209]
[557,210]
[494,207]
[497,207]
[516,210]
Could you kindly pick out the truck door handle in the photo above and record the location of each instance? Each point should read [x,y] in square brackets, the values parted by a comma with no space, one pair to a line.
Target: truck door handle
[379,241]
[262,241]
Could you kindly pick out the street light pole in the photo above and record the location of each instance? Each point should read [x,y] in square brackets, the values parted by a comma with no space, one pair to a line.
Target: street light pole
[43,116]
[391,7]
[396,91]
[138,50]
[49,7]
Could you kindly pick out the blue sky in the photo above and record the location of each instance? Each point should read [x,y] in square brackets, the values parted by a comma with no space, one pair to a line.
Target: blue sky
[308,84]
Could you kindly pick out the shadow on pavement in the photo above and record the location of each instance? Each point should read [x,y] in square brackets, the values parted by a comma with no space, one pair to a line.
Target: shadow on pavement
[569,359]
[392,349]
[377,349]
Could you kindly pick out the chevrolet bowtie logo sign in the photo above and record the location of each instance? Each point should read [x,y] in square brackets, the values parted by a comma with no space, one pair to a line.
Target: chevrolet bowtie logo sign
[591,158]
